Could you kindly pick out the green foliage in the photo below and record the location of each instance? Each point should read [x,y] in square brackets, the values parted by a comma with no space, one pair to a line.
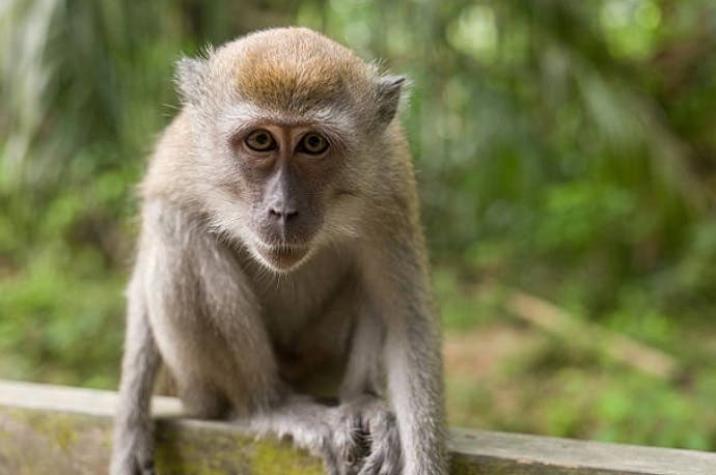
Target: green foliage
[564,148]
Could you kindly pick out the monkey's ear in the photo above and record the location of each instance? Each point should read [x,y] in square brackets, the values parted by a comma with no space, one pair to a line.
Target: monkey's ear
[189,79]
[389,91]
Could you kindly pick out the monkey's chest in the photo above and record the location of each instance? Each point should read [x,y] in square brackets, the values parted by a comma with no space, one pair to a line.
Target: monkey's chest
[311,344]
[308,316]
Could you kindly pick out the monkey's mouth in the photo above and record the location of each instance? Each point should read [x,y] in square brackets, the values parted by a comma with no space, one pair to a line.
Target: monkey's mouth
[282,258]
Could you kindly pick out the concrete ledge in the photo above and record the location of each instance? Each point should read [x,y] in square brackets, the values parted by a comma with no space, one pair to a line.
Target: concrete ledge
[60,430]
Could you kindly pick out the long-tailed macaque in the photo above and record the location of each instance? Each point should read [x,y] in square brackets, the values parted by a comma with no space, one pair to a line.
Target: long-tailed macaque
[281,261]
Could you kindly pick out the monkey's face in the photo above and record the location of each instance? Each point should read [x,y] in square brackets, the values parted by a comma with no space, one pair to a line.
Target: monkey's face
[288,127]
[289,173]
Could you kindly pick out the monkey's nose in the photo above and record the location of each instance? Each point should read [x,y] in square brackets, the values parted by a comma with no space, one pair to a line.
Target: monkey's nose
[283,215]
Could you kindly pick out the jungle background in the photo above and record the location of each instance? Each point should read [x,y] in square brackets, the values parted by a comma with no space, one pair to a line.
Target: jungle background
[566,153]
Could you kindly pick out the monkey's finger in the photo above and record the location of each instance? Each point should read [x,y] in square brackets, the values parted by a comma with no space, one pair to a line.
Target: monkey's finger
[351,441]
[392,459]
[384,461]
[385,451]
[373,464]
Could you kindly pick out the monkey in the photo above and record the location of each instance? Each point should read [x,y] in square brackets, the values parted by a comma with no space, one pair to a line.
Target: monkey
[281,262]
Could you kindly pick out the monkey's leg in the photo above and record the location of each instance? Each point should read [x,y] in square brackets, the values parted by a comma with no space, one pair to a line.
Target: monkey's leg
[132,444]
[205,316]
[189,302]
[395,274]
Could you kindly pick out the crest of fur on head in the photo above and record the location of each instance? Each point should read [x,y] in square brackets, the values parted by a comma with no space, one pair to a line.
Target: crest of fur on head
[290,70]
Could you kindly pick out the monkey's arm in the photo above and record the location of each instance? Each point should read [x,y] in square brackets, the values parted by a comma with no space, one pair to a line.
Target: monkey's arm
[397,279]
[132,445]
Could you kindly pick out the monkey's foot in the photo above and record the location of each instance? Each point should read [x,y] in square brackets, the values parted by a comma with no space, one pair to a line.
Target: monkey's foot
[132,464]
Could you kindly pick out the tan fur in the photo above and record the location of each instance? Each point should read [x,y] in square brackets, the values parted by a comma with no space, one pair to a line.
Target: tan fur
[294,67]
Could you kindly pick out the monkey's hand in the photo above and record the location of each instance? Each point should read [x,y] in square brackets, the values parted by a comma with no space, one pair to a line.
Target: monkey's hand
[368,434]
[359,436]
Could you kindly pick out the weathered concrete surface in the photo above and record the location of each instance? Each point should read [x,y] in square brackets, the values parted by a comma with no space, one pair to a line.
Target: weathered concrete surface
[56,430]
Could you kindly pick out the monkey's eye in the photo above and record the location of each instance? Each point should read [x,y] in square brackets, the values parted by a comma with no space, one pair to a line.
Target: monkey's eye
[313,144]
[260,141]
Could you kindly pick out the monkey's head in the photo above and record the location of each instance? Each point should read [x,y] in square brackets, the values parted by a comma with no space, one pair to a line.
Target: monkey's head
[288,129]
